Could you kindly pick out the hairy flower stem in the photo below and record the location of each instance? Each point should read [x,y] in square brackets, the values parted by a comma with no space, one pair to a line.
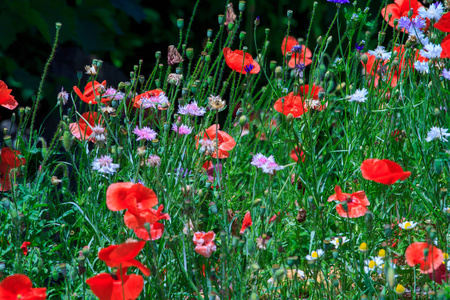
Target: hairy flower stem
[41,84]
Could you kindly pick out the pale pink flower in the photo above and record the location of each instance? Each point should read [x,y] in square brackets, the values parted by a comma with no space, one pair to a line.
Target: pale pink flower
[183,129]
[191,109]
[144,134]
[104,164]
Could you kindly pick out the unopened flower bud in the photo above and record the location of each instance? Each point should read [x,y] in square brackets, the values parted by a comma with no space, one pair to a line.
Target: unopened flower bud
[180,23]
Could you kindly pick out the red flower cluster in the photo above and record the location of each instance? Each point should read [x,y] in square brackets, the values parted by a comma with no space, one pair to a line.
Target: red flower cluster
[383,171]
[19,286]
[9,160]
[240,62]
[24,247]
[295,104]
[204,243]
[138,200]
[6,99]
[90,92]
[225,142]
[356,203]
[444,25]
[303,57]
[119,286]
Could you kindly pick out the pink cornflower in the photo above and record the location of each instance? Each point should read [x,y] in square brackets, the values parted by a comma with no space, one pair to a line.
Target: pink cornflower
[98,133]
[63,96]
[191,109]
[267,164]
[104,164]
[113,94]
[161,101]
[144,134]
[183,129]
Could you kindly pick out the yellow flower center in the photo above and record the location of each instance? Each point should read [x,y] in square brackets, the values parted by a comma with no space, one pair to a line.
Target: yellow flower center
[337,241]
[314,255]
[19,296]
[407,225]
[445,255]
[382,253]
[363,247]
[400,289]
[372,264]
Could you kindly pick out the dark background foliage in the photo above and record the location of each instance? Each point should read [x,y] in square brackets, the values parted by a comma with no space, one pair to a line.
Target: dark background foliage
[120,32]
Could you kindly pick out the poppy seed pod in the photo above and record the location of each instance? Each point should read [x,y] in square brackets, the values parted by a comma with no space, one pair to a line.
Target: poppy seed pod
[209,33]
[221,19]
[242,120]
[289,14]
[241,6]
[335,253]
[230,26]
[67,140]
[242,35]
[180,23]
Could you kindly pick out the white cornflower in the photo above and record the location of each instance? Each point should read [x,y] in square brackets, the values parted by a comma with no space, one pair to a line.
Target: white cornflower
[431,51]
[437,133]
[98,134]
[315,254]
[359,96]
[104,164]
[422,67]
[208,146]
[434,12]
[380,53]
[407,225]
[337,241]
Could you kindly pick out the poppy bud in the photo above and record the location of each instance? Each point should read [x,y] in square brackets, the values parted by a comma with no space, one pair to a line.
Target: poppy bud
[221,19]
[279,274]
[242,35]
[256,22]
[67,140]
[242,120]
[390,276]
[289,118]
[180,23]
[410,13]
[255,267]
[395,22]
[278,70]
[364,58]
[329,39]
[267,30]
[319,40]
[79,75]
[335,253]
[254,296]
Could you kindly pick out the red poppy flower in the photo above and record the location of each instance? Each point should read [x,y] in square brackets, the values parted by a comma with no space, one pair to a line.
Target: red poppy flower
[90,91]
[356,203]
[383,171]
[247,222]
[134,197]
[137,101]
[290,104]
[296,104]
[123,255]
[137,223]
[19,286]
[295,152]
[83,129]
[303,57]
[415,255]
[440,275]
[114,286]
[9,160]
[444,23]
[445,44]
[400,8]
[24,247]
[239,62]
[204,243]
[224,140]
[6,99]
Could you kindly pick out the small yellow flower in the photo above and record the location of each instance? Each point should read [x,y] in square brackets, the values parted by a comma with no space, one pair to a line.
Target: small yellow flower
[382,253]
[363,247]
[400,289]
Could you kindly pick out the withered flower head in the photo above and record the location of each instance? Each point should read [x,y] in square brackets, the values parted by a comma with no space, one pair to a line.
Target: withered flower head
[173,57]
[231,16]
[301,216]
[91,70]
[216,102]
[174,78]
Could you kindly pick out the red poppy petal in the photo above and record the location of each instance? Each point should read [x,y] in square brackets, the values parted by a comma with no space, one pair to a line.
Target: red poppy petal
[102,286]
[444,23]
[6,99]
[116,195]
[126,251]
[133,286]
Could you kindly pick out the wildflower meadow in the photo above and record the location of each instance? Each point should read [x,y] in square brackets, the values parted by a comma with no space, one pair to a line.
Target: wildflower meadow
[319,171]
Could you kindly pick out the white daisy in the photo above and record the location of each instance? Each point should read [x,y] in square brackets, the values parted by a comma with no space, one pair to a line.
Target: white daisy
[315,254]
[407,225]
